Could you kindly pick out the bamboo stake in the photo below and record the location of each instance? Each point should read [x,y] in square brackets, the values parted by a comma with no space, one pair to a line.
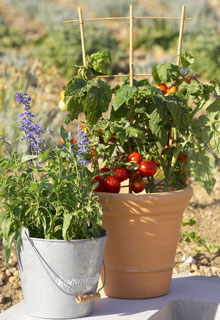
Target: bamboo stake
[125,18]
[180,36]
[82,36]
[131,66]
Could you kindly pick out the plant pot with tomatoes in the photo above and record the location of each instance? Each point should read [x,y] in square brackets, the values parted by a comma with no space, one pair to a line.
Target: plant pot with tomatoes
[153,140]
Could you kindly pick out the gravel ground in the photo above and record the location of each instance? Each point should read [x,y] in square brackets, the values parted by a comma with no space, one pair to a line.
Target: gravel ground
[189,258]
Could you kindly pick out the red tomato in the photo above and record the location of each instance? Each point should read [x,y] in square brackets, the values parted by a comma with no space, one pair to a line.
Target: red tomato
[112,139]
[121,174]
[100,186]
[111,184]
[132,173]
[163,88]
[147,168]
[138,185]
[135,156]
[157,163]
[171,90]
[182,158]
[188,80]
[105,170]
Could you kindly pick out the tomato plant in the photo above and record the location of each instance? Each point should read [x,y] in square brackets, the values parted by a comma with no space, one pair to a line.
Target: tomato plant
[153,123]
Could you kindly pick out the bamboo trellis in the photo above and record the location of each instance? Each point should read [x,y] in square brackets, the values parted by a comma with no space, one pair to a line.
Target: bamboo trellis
[131,18]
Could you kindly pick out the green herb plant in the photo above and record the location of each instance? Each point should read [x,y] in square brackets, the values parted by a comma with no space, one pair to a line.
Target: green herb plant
[48,190]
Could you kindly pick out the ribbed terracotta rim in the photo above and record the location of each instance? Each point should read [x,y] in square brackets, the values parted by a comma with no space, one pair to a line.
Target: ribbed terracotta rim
[157,196]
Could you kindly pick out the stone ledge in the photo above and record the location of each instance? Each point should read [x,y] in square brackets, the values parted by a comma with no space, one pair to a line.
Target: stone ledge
[184,291]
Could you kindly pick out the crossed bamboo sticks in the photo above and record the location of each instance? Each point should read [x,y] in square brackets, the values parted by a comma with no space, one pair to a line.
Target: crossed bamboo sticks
[131,18]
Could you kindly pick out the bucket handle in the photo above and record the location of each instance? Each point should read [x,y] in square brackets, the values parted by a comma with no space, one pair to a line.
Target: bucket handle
[80,297]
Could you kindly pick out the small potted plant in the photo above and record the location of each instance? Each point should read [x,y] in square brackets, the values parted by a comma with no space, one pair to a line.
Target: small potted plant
[49,209]
[157,135]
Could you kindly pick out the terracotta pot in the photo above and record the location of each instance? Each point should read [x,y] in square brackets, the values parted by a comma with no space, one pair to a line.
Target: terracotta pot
[143,237]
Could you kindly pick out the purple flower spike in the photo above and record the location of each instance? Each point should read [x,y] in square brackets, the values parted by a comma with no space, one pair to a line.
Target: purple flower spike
[23,99]
[83,148]
[31,130]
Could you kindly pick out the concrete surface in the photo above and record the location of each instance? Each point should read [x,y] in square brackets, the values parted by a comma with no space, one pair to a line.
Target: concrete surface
[190,298]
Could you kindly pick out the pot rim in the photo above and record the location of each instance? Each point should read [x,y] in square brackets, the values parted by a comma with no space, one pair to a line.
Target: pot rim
[188,188]
[103,231]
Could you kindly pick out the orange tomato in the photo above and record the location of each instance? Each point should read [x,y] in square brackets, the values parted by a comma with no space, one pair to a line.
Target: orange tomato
[171,90]
[62,141]
[83,127]
[93,152]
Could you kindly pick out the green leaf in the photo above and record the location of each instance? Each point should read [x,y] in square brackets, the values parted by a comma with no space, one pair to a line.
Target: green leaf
[28,157]
[179,112]
[215,136]
[165,72]
[162,71]
[155,74]
[211,132]
[202,164]
[63,133]
[74,107]
[76,87]
[44,155]
[186,60]
[156,124]
[133,132]
[122,112]
[214,107]
[99,60]
[46,186]
[157,118]
[124,96]
[96,100]
[66,223]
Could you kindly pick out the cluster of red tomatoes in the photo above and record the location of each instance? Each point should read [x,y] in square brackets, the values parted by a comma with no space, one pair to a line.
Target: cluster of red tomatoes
[111,183]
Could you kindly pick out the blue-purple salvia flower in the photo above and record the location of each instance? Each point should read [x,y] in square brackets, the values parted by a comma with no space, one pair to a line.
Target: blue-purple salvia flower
[83,148]
[31,131]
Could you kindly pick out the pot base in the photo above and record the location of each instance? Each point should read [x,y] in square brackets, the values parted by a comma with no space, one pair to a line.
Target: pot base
[143,237]
[147,285]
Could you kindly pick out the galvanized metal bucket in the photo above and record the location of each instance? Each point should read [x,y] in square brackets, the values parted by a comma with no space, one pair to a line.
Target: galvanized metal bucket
[54,272]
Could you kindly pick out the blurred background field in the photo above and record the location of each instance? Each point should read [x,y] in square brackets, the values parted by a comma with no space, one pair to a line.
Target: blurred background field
[38,54]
